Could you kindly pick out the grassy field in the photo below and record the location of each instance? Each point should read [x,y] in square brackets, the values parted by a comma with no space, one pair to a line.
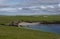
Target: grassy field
[7,19]
[9,32]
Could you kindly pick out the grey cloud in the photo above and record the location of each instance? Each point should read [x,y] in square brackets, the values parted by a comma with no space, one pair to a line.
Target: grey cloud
[38,2]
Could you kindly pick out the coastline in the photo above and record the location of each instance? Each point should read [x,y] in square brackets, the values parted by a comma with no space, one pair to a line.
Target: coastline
[14,20]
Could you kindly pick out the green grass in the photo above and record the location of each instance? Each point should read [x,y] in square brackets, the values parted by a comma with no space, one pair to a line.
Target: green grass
[9,32]
[7,19]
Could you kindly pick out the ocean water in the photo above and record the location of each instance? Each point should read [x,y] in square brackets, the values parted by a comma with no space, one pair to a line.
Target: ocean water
[53,28]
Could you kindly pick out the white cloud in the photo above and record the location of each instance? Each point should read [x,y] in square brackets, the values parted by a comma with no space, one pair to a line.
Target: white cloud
[51,6]
[30,9]
[43,7]
[8,9]
[20,8]
[58,5]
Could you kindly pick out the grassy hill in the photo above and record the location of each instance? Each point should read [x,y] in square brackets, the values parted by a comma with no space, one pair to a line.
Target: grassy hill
[7,19]
[9,32]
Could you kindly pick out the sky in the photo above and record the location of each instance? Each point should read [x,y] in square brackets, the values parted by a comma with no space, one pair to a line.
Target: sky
[29,7]
[34,1]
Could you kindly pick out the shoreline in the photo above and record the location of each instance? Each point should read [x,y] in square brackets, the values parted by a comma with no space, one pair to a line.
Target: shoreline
[25,23]
[14,20]
[43,22]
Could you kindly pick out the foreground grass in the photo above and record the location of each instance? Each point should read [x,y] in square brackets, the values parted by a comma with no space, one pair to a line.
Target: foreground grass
[9,32]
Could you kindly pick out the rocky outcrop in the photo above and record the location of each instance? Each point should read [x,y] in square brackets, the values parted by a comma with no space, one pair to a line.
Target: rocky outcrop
[15,23]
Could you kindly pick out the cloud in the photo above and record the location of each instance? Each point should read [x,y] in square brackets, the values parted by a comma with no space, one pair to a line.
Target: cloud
[58,5]
[2,1]
[29,9]
[29,6]
[8,9]
[28,2]
[23,3]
